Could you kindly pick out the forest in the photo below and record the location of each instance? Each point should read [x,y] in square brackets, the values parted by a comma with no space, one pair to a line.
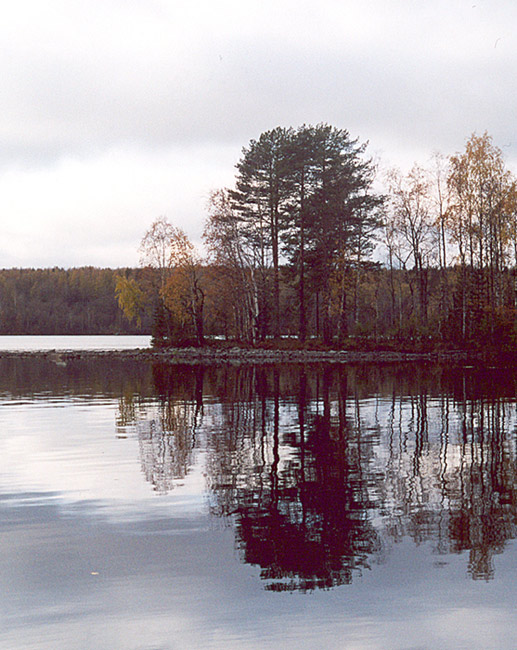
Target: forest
[59,301]
[313,245]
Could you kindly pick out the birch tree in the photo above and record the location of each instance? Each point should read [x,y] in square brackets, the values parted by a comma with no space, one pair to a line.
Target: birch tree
[479,221]
[412,224]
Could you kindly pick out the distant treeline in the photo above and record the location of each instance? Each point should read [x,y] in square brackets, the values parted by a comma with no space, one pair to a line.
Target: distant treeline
[63,301]
[381,305]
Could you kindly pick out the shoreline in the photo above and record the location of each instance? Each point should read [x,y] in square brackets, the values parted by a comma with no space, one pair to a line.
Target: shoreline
[208,356]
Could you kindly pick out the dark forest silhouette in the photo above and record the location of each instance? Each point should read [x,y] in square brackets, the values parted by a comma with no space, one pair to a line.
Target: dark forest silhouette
[64,301]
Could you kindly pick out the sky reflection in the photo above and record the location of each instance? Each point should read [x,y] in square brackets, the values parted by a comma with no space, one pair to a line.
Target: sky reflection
[219,508]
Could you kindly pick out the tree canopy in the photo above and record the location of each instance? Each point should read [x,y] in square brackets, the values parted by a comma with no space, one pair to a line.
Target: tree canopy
[304,211]
[289,249]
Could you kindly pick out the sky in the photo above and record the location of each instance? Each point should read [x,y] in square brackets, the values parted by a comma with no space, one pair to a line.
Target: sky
[115,113]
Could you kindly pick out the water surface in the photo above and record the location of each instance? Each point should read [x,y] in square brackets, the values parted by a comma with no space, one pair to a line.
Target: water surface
[152,507]
[22,343]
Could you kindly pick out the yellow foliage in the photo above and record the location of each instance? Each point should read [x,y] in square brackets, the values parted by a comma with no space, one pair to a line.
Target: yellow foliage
[131,298]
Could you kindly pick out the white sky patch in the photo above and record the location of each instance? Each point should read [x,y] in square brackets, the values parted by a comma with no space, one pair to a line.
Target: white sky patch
[96,211]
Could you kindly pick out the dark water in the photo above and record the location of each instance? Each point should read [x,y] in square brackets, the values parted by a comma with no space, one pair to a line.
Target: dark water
[158,507]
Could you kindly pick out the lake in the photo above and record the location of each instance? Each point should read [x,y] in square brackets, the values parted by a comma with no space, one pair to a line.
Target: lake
[155,507]
[20,343]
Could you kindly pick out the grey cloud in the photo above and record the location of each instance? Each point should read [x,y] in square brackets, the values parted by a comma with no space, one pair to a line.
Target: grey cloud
[174,81]
[68,109]
[73,102]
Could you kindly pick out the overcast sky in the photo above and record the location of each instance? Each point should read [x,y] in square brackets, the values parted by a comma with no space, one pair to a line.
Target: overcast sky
[117,112]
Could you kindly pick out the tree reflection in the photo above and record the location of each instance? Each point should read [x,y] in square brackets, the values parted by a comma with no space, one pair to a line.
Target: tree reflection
[484,512]
[321,470]
[457,491]
[167,427]
[301,512]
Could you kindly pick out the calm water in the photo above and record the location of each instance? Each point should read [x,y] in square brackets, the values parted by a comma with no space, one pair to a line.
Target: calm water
[30,343]
[153,508]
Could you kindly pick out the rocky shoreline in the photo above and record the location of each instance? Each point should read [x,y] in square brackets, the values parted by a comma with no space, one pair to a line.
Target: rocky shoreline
[252,356]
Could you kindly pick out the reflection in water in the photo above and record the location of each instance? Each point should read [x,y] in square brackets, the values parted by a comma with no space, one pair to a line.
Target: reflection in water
[321,470]
[300,506]
[167,430]
[168,439]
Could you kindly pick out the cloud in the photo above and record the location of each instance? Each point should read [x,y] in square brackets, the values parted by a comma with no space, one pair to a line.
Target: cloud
[99,99]
[94,211]
[154,75]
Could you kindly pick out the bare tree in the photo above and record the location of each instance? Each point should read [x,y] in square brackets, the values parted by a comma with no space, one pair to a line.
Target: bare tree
[411,218]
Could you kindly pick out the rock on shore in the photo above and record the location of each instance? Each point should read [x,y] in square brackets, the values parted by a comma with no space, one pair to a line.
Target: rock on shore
[238,355]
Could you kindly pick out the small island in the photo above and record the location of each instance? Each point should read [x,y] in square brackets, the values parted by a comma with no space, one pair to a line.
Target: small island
[314,254]
[305,257]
